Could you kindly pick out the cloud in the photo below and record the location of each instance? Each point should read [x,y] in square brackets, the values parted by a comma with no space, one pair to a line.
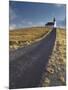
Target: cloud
[12,14]
[12,18]
[41,23]
[38,24]
[26,22]
[16,22]
[58,5]
[29,23]
[21,24]
[13,26]
[62,23]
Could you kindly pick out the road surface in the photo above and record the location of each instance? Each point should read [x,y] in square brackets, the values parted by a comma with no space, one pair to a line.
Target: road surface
[26,65]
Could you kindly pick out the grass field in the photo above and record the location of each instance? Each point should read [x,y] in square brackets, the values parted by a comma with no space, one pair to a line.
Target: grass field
[26,36]
[56,69]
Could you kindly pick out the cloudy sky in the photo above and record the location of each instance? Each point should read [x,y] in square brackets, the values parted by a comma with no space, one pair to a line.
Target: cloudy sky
[27,14]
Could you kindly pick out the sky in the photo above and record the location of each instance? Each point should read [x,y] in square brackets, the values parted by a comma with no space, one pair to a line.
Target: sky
[29,14]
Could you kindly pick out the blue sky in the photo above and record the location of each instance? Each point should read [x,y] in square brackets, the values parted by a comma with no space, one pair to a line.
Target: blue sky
[27,14]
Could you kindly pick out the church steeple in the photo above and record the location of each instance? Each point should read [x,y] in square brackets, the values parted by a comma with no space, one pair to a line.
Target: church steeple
[54,19]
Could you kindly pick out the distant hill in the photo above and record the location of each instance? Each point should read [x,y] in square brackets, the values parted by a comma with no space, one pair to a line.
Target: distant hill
[26,36]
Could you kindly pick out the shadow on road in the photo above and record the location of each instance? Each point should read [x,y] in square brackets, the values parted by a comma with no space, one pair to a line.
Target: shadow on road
[26,71]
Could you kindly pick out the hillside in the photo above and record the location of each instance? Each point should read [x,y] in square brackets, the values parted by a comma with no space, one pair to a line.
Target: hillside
[22,37]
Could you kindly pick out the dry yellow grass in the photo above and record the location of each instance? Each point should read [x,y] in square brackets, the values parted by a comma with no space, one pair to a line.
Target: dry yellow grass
[23,37]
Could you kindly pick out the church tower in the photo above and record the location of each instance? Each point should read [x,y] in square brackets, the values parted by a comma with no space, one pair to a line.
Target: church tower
[54,21]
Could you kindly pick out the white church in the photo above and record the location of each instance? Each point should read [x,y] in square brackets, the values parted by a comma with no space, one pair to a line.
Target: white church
[51,24]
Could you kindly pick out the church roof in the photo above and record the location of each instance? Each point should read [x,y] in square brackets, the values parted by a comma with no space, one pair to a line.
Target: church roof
[50,23]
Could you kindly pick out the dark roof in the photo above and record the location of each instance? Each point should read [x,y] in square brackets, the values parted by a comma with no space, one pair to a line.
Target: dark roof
[50,23]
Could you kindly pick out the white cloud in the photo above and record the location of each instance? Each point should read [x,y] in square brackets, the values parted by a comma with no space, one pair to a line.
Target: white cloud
[39,24]
[26,22]
[58,5]
[13,26]
[42,23]
[29,23]
[12,14]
